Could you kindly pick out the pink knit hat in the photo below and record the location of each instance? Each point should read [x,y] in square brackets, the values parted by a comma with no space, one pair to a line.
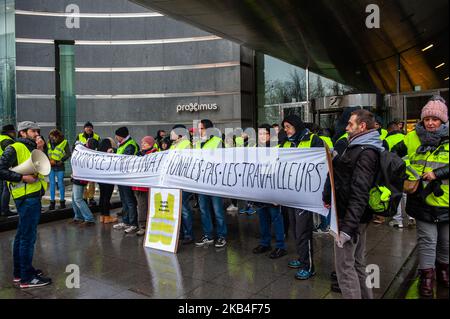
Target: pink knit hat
[149,140]
[435,108]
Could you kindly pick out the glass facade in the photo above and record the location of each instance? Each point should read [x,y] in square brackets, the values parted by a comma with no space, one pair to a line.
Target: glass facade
[7,63]
[285,89]
[67,110]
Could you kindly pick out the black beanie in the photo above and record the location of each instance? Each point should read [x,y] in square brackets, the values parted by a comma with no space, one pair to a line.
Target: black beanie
[207,124]
[8,128]
[122,132]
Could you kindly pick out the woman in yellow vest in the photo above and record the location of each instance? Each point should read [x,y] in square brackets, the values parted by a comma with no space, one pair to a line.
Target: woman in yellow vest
[58,152]
[428,162]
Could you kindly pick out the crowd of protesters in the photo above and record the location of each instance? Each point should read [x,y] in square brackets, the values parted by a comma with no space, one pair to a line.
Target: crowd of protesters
[357,141]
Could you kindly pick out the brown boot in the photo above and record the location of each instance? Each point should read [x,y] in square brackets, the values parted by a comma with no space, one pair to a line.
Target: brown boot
[442,274]
[102,219]
[426,283]
[109,220]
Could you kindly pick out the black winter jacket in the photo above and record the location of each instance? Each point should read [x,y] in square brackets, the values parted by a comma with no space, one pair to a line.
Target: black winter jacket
[354,175]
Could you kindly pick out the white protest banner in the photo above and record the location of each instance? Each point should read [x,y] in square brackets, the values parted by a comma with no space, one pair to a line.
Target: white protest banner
[163,219]
[288,177]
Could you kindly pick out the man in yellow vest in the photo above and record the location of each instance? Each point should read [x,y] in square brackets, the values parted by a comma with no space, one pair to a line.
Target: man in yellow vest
[58,152]
[6,138]
[27,191]
[181,141]
[209,141]
[88,132]
[127,146]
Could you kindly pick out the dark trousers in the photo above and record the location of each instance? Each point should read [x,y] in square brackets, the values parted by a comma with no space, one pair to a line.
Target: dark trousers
[4,198]
[129,205]
[302,226]
[29,211]
[106,191]
[285,213]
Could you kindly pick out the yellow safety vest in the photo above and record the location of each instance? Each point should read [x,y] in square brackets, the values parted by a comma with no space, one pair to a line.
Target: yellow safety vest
[184,144]
[239,141]
[212,143]
[302,144]
[162,224]
[418,164]
[122,148]
[345,136]
[21,189]
[157,147]
[2,138]
[383,134]
[394,139]
[83,139]
[58,152]
[327,140]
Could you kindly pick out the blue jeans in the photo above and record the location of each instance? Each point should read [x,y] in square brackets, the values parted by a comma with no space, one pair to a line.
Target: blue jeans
[129,205]
[29,211]
[53,176]
[271,216]
[80,208]
[186,215]
[4,197]
[325,221]
[205,202]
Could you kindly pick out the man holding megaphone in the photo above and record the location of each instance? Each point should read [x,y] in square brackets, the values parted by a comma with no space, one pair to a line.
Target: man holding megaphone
[27,186]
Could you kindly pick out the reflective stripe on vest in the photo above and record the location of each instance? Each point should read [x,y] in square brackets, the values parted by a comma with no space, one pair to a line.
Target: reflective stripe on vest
[2,138]
[83,139]
[212,143]
[184,144]
[394,139]
[163,222]
[424,163]
[122,148]
[21,189]
[58,152]
[327,140]
[302,144]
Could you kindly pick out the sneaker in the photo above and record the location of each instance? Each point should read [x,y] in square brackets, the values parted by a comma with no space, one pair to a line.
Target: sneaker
[277,253]
[36,282]
[131,229]
[232,208]
[37,272]
[251,212]
[140,232]
[295,264]
[303,274]
[261,249]
[221,242]
[396,224]
[109,219]
[204,241]
[120,226]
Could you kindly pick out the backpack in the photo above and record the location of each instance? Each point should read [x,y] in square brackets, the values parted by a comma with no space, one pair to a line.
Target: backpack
[386,194]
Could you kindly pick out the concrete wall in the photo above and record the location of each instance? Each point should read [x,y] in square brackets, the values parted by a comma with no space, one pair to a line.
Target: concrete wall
[145,115]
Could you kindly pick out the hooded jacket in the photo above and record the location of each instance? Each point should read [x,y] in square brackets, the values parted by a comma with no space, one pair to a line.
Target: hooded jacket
[354,176]
[301,133]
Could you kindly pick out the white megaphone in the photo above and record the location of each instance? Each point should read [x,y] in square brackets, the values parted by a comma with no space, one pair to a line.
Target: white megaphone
[37,163]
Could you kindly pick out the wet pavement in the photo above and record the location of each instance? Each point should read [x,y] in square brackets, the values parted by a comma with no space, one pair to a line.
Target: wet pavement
[115,265]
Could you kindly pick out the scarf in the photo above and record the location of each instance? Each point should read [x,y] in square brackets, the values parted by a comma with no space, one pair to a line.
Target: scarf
[430,140]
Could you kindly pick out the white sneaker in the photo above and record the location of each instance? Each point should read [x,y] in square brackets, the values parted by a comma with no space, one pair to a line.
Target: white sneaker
[120,226]
[131,229]
[232,208]
[396,223]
